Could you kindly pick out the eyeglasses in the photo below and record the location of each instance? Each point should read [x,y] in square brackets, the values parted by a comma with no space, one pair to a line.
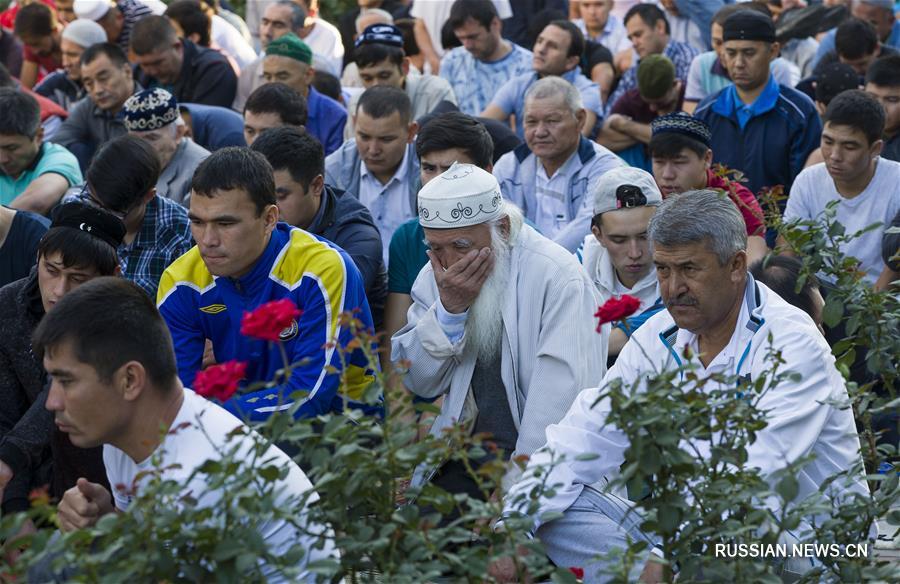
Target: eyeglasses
[87,197]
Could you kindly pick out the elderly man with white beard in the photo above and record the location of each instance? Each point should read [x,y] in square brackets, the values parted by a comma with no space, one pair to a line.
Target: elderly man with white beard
[501,323]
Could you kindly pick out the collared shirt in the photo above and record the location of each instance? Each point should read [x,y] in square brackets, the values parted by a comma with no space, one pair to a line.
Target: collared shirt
[475,82]
[165,235]
[388,203]
[511,96]
[614,36]
[764,102]
[553,195]
[681,55]
[50,158]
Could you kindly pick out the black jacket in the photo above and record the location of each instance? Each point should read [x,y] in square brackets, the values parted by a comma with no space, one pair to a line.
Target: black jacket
[345,221]
[206,77]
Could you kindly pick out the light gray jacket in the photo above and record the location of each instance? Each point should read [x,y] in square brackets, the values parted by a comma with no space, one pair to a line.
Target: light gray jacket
[550,349]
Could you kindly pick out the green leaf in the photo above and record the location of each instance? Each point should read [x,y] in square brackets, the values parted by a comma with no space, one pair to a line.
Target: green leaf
[833,311]
[788,487]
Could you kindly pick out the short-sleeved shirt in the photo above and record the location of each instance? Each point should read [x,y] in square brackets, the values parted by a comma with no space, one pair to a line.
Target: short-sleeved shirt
[407,256]
[878,203]
[511,96]
[475,82]
[19,251]
[46,63]
[51,158]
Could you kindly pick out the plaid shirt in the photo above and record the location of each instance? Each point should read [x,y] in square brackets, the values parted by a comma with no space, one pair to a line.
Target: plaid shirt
[681,55]
[165,235]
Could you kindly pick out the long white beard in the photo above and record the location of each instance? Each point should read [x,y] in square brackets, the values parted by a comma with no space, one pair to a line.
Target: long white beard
[484,325]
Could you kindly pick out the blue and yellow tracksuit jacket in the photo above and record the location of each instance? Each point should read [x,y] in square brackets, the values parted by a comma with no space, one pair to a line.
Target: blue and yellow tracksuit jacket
[320,278]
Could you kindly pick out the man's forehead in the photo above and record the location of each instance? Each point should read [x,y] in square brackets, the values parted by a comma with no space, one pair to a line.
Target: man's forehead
[679,253]
[447,157]
[451,235]
[278,12]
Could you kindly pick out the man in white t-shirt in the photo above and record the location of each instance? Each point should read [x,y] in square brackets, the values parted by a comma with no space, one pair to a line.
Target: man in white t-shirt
[617,253]
[115,383]
[866,186]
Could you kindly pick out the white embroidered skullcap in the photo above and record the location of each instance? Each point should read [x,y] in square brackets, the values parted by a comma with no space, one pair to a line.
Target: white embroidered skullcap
[91,9]
[464,195]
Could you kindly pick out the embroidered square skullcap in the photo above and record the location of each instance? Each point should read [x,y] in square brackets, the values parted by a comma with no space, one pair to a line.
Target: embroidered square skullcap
[91,9]
[92,220]
[84,33]
[748,25]
[290,46]
[464,195]
[685,124]
[149,110]
[383,34]
[625,187]
[655,76]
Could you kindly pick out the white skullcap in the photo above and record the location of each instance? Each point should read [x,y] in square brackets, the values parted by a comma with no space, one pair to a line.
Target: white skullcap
[91,9]
[84,33]
[464,195]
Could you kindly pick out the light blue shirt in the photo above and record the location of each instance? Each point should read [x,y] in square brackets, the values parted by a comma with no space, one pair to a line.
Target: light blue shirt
[763,103]
[511,97]
[614,36]
[51,158]
[475,82]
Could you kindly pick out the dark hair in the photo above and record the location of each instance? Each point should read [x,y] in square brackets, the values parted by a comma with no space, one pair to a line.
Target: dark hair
[236,168]
[113,52]
[191,18]
[80,249]
[884,72]
[111,321]
[152,33]
[668,145]
[122,171]
[20,114]
[327,84]
[859,110]
[482,11]
[724,12]
[781,274]
[855,39]
[278,98]
[371,54]
[294,150]
[35,19]
[649,13]
[381,101]
[456,130]
[407,27]
[576,37]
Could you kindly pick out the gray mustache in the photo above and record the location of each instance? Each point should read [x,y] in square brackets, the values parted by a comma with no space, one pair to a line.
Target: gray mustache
[682,301]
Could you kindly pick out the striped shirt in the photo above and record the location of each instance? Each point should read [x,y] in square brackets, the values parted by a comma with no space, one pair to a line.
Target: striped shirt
[132,11]
[165,235]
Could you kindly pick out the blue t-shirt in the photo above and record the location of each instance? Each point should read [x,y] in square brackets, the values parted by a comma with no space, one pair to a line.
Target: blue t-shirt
[475,82]
[50,158]
[18,254]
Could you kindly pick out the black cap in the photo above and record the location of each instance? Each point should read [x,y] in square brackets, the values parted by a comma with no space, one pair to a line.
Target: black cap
[833,79]
[91,220]
[748,25]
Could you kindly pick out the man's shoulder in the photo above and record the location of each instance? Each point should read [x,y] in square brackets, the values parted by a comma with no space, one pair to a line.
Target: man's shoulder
[195,153]
[796,103]
[56,155]
[541,255]
[305,254]
[187,274]
[205,57]
[171,215]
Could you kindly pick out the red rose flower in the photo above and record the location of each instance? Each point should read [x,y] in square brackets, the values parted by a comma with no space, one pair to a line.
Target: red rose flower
[269,320]
[220,381]
[579,572]
[616,309]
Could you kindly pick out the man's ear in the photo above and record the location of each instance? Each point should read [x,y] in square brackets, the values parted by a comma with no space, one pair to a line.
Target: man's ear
[404,66]
[194,38]
[707,158]
[581,117]
[876,148]
[39,136]
[412,131]
[132,380]
[738,265]
[149,195]
[317,186]
[271,215]
[596,231]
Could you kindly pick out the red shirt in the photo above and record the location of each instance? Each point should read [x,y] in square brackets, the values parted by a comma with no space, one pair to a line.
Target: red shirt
[745,200]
